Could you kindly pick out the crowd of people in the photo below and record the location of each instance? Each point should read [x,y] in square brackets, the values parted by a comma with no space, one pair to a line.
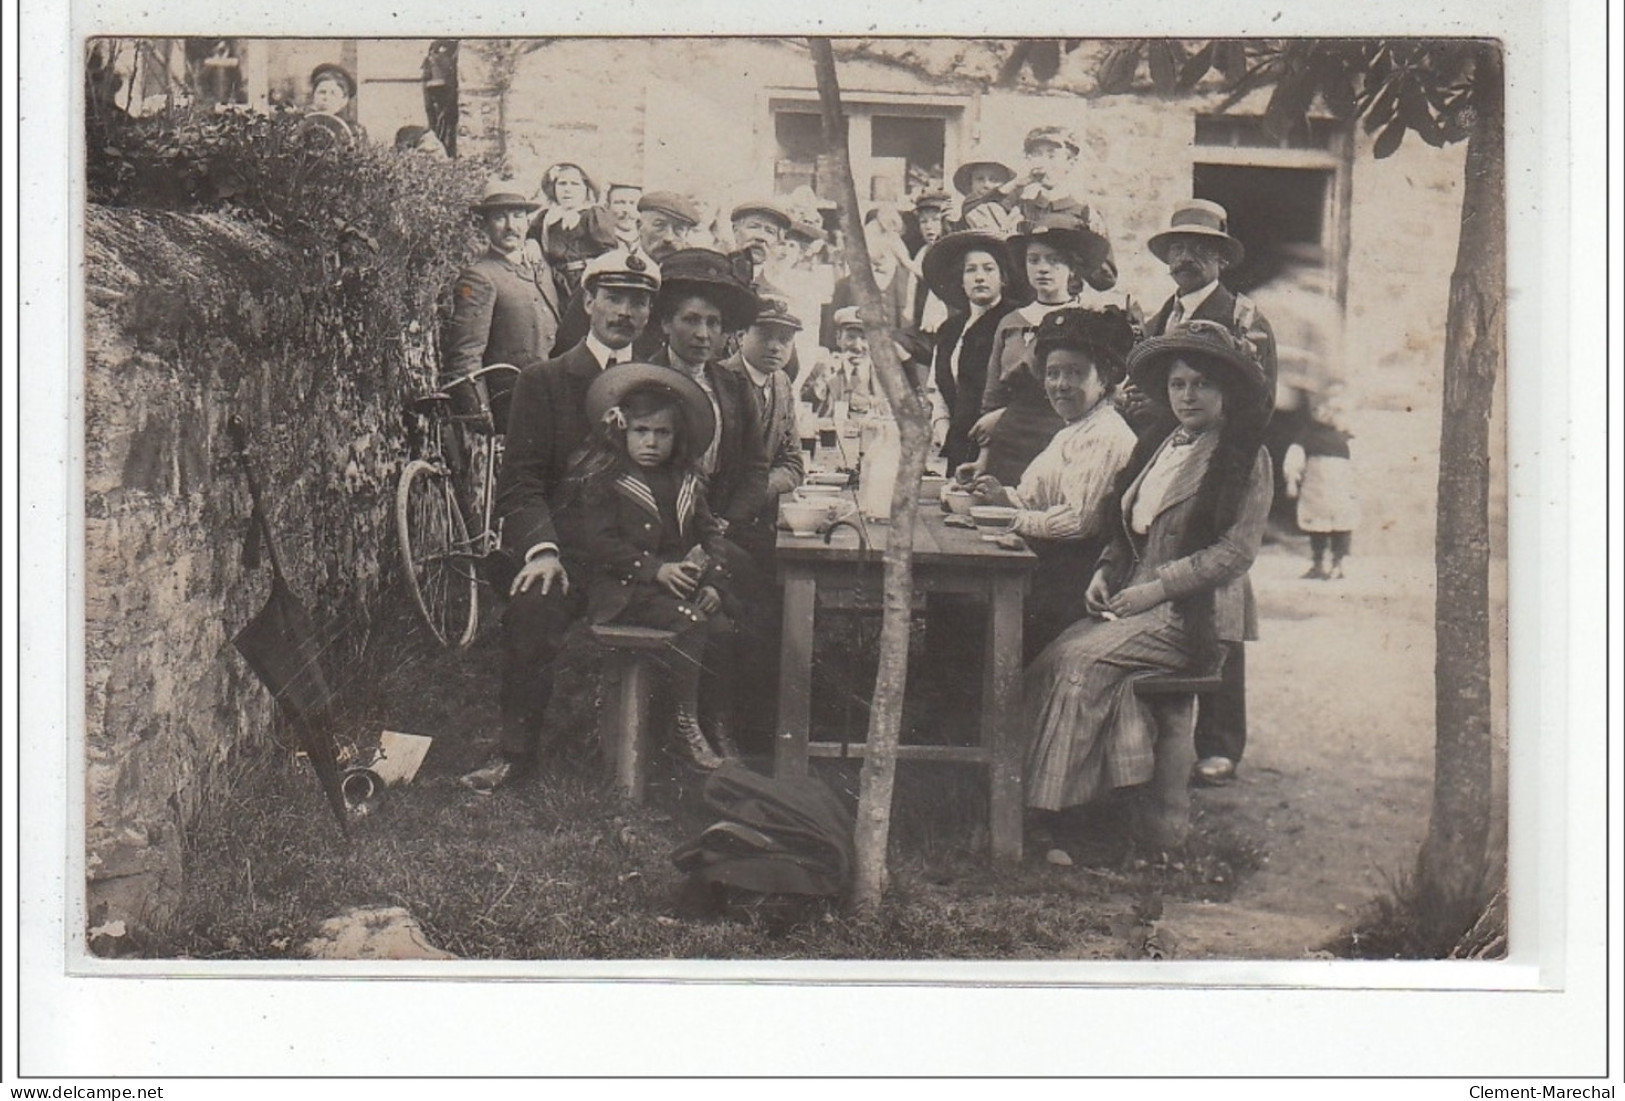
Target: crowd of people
[654,425]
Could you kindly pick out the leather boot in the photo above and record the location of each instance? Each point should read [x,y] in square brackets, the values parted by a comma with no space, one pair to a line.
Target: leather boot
[693,738]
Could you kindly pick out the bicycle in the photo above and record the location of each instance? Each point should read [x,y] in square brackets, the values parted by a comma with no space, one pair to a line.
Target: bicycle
[442,559]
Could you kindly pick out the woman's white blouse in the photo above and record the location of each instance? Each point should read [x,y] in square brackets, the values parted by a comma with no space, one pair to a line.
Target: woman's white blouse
[1064,491]
[1164,468]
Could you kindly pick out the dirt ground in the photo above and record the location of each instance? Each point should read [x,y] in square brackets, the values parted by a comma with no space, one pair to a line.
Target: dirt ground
[1337,778]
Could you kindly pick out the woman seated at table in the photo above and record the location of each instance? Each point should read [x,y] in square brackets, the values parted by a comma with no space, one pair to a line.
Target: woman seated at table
[1172,582]
[1065,493]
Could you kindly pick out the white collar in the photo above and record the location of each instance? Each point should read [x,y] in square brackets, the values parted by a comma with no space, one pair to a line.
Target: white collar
[601,351]
[761,378]
[1191,302]
[1034,312]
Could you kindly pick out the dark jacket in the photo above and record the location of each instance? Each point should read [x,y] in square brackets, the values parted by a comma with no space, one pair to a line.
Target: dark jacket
[738,487]
[547,426]
[785,466]
[500,313]
[615,527]
[963,396]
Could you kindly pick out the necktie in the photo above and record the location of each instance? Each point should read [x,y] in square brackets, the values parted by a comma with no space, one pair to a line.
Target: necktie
[1177,315]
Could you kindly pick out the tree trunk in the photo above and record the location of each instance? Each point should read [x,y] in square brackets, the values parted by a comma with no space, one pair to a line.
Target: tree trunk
[886,715]
[1453,876]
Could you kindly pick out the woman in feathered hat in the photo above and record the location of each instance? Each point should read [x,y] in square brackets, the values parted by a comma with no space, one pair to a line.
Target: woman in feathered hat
[1171,584]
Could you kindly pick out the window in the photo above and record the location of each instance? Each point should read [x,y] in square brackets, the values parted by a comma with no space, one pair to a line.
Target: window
[898,148]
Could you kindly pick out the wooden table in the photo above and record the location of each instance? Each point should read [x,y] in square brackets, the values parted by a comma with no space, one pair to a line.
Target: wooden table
[946,559]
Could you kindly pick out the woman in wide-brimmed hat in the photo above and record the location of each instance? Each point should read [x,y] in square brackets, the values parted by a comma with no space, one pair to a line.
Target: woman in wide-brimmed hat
[1172,584]
[1017,422]
[635,515]
[972,272]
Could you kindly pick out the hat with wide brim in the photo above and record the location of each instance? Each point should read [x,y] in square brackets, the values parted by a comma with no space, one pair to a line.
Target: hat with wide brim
[962,174]
[1204,345]
[614,384]
[1065,231]
[944,262]
[712,276]
[503,195]
[1198,218]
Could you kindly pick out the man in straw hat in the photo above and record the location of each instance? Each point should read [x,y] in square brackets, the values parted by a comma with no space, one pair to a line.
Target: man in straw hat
[548,425]
[701,301]
[1197,247]
[970,271]
[504,307]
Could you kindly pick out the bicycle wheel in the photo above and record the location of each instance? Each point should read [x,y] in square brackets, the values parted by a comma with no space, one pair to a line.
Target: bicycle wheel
[435,553]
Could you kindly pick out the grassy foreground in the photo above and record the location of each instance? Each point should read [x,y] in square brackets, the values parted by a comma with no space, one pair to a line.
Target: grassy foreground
[561,868]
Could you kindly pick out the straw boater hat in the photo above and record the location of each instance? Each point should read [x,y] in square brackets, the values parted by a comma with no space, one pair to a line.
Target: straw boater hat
[619,268]
[613,384]
[1198,218]
[944,262]
[1205,345]
[1066,230]
[711,275]
[502,195]
[963,172]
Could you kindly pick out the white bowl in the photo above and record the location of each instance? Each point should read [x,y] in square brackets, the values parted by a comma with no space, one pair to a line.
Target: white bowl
[959,501]
[804,517]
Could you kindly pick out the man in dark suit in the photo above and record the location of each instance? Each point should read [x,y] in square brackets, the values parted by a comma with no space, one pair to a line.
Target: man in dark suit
[970,271]
[504,308]
[665,219]
[546,427]
[1198,248]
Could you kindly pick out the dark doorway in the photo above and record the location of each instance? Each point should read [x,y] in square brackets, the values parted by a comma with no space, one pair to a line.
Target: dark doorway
[1277,213]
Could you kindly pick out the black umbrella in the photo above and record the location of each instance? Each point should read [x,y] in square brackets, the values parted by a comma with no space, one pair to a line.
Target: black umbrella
[280,645]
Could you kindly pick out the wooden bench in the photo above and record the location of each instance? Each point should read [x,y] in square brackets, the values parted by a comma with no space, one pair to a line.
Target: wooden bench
[623,724]
[1173,698]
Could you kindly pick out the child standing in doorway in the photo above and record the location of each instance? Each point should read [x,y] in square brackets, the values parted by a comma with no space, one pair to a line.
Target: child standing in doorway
[635,512]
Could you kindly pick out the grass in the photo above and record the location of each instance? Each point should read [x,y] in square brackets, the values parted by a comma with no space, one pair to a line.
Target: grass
[560,868]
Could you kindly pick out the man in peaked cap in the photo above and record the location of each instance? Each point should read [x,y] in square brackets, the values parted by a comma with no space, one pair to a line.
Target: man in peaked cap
[759,227]
[665,219]
[504,307]
[1051,187]
[1198,248]
[547,426]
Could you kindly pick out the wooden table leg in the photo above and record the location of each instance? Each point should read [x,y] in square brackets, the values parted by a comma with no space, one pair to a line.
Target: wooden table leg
[1002,717]
[795,675]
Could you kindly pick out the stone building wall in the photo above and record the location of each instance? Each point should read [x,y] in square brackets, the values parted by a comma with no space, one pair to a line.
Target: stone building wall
[189,319]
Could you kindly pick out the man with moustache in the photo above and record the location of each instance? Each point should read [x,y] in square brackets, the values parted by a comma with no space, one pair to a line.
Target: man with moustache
[504,307]
[970,271]
[1198,248]
[759,228]
[665,220]
[622,201]
[547,426]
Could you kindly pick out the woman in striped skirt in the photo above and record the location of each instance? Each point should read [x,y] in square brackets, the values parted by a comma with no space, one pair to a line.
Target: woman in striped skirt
[1171,583]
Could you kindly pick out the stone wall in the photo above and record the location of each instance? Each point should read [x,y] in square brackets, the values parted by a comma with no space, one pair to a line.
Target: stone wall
[189,319]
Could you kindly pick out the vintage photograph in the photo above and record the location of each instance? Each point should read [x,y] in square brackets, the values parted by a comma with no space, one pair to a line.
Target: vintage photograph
[854,499]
